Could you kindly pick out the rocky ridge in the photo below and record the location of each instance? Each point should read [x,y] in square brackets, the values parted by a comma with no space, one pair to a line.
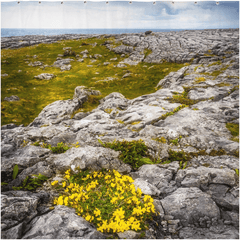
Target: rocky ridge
[198,201]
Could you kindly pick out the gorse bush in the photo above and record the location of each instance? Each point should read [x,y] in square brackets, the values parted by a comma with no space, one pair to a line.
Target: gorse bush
[107,199]
[133,153]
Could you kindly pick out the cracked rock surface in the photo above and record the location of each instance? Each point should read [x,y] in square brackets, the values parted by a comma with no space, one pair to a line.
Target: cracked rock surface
[199,200]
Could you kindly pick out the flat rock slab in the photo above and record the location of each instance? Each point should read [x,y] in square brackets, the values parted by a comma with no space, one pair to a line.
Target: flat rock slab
[56,111]
[189,205]
[61,223]
[214,232]
[94,158]
[224,161]
[202,93]
[194,177]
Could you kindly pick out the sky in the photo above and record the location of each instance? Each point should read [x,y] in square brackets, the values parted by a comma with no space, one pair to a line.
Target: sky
[120,14]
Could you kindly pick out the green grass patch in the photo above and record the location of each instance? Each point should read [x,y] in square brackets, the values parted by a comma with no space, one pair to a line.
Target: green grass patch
[60,148]
[234,129]
[183,98]
[215,63]
[200,79]
[35,94]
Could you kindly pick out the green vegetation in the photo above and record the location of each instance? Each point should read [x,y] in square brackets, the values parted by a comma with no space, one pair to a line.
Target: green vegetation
[15,171]
[60,148]
[215,63]
[31,183]
[234,129]
[175,141]
[237,171]
[164,116]
[200,79]
[183,98]
[183,157]
[107,199]
[35,94]
[162,139]
[133,153]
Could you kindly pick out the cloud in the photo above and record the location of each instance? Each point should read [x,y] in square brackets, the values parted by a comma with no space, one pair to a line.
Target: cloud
[163,15]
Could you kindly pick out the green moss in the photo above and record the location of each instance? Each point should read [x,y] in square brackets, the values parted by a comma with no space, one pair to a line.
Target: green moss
[233,128]
[237,171]
[206,164]
[135,123]
[120,121]
[164,116]
[161,139]
[200,79]
[236,154]
[215,63]
[217,152]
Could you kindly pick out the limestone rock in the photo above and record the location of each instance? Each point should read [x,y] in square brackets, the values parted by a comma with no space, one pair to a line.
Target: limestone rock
[194,177]
[89,157]
[12,98]
[61,223]
[45,76]
[15,210]
[214,232]
[190,205]
[146,187]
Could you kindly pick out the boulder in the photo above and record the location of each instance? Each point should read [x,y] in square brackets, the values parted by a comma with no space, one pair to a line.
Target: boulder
[12,98]
[191,206]
[61,223]
[45,76]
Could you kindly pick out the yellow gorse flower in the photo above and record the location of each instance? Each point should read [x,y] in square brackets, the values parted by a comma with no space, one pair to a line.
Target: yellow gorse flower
[92,194]
[54,183]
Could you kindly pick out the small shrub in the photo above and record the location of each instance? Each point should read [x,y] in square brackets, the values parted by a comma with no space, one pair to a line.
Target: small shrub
[107,199]
[131,152]
[31,183]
